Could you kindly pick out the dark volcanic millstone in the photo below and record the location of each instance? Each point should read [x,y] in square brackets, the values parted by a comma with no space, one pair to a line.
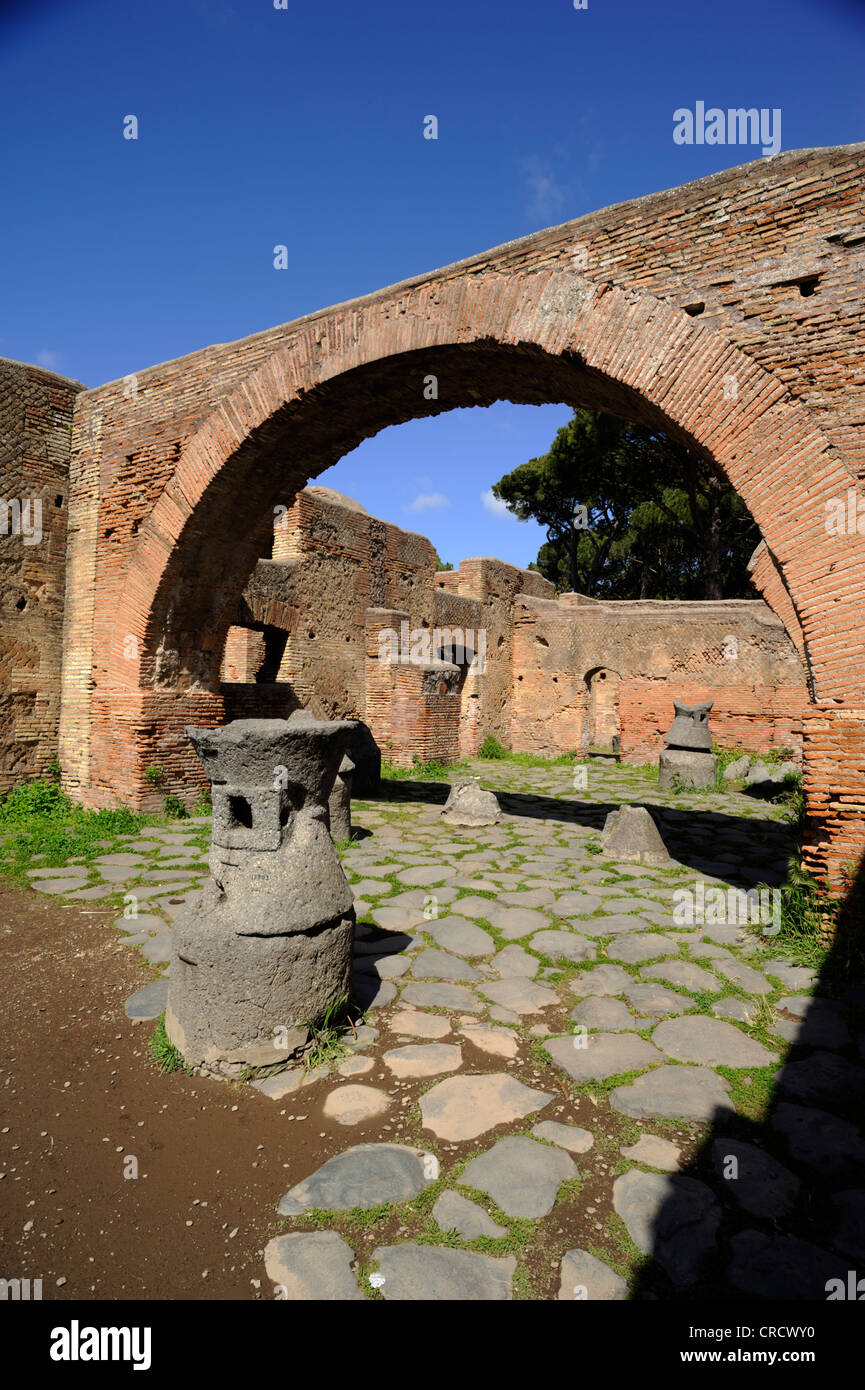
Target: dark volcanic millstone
[690,728]
[266,947]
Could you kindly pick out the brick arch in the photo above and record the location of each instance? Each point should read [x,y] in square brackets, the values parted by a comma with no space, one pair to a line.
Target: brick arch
[675,292]
[537,337]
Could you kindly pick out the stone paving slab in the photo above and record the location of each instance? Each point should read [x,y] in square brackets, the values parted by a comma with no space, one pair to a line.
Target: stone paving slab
[522,1177]
[520,995]
[312,1266]
[56,886]
[656,1001]
[597,1056]
[603,980]
[570,1137]
[453,1212]
[586,1278]
[430,1273]
[442,996]
[685,1092]
[782,1267]
[148,1002]
[515,922]
[429,1059]
[498,1042]
[673,1218]
[420,1025]
[367,1175]
[710,1042]
[757,1181]
[514,960]
[563,945]
[432,964]
[602,1013]
[464,1107]
[614,924]
[461,937]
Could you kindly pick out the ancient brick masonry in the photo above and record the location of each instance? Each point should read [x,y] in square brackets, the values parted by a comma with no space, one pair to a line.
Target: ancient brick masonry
[35,440]
[728,311]
[585,671]
[552,676]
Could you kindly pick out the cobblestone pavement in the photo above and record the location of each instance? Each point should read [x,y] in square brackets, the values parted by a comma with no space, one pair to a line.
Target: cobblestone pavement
[566,1086]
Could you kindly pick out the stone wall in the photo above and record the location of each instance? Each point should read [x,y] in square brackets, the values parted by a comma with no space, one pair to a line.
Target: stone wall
[35,439]
[558,675]
[339,578]
[736,653]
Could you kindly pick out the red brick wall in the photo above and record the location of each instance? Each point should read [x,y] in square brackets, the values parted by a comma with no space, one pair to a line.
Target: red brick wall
[661,652]
[243,655]
[35,439]
[755,718]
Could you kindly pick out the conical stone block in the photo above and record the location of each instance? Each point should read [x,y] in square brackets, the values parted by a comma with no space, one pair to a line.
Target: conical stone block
[630,834]
[469,804]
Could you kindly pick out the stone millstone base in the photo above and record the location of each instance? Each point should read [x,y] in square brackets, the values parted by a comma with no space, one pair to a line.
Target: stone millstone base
[631,835]
[248,1000]
[469,804]
[682,767]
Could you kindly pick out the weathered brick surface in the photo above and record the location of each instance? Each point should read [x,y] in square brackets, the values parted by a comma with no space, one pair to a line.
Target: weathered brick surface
[729,312]
[735,653]
[35,429]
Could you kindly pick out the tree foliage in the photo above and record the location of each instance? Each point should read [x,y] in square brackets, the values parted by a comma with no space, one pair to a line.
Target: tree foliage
[632,513]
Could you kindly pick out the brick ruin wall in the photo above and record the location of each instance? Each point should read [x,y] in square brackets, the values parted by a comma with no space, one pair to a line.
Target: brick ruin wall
[735,653]
[35,438]
[309,625]
[307,632]
[751,277]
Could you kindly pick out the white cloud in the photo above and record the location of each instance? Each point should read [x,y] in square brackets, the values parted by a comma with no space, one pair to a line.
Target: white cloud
[428,502]
[547,197]
[495,505]
[49,359]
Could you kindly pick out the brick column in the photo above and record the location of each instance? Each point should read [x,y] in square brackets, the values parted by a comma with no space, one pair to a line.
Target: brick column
[834,782]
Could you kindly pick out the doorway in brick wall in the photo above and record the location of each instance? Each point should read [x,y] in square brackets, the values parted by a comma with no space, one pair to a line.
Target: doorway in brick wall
[603,710]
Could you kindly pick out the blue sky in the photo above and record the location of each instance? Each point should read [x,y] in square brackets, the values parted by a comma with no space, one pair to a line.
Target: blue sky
[303,126]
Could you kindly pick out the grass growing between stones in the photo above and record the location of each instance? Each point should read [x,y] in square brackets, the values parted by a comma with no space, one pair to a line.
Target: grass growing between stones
[329,1036]
[628,1257]
[40,822]
[752,1092]
[436,771]
[166,1056]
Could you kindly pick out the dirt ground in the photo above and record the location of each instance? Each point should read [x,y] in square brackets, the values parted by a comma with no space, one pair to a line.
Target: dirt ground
[79,1094]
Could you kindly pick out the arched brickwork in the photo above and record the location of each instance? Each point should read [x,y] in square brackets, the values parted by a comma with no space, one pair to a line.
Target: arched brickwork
[176,477]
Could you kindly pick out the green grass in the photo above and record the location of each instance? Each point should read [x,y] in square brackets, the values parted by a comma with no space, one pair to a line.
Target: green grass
[162,1050]
[491,748]
[753,1091]
[42,822]
[330,1036]
[438,772]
